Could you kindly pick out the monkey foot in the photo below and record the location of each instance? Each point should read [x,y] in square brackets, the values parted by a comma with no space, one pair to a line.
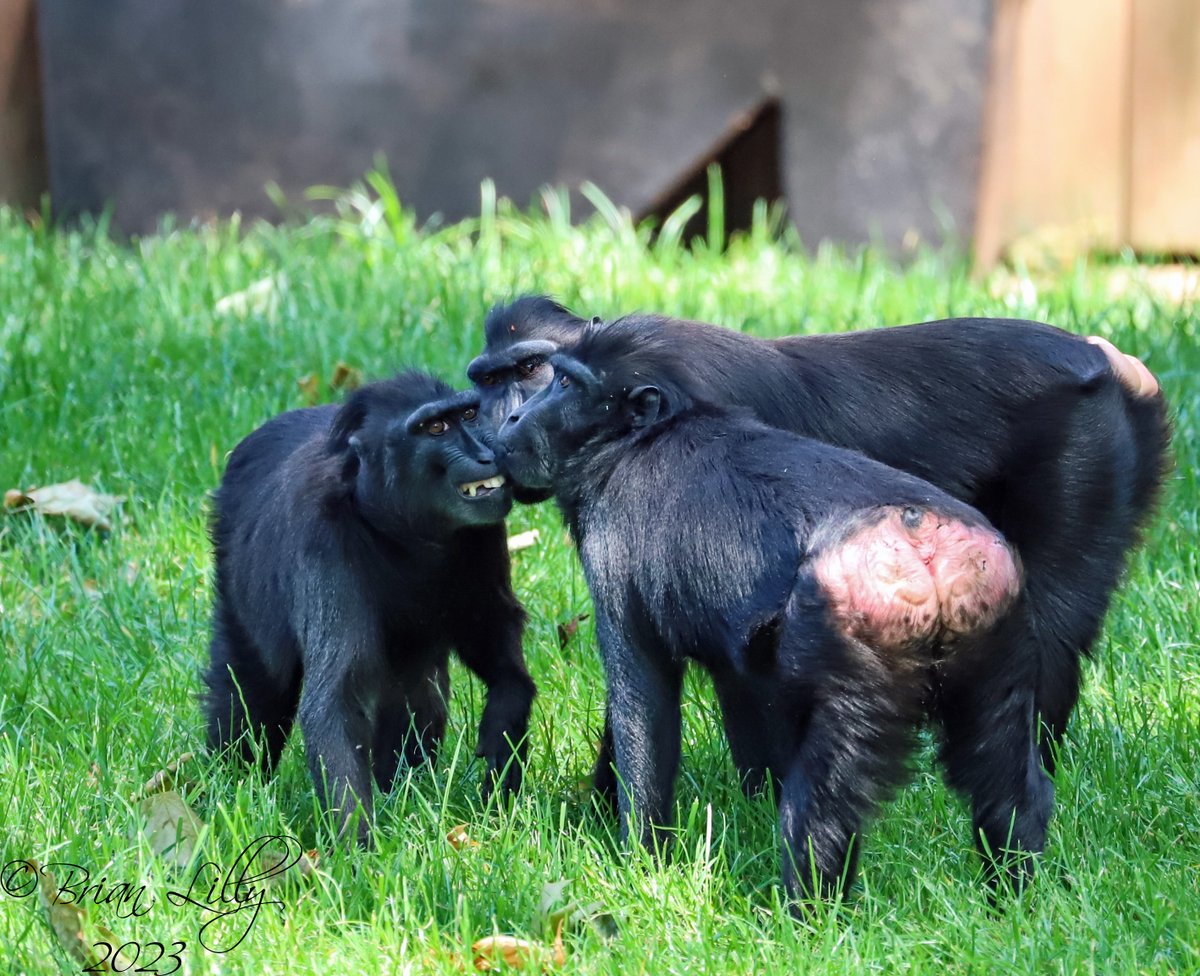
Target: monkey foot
[1130,370]
[913,575]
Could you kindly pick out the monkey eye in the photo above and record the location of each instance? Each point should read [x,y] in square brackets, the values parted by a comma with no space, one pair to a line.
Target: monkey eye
[436,427]
[469,414]
[491,379]
[527,367]
[564,381]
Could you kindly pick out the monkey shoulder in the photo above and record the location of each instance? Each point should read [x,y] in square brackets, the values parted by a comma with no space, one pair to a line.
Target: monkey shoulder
[687,524]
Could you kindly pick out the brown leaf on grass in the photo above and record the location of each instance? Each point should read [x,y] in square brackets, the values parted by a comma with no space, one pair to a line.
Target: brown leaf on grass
[307,865]
[459,838]
[569,629]
[165,779]
[310,388]
[345,377]
[496,950]
[75,933]
[304,867]
[523,540]
[171,827]
[558,954]
[71,498]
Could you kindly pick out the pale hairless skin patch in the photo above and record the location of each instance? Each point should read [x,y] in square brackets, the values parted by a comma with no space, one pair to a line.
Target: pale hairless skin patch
[1130,370]
[912,575]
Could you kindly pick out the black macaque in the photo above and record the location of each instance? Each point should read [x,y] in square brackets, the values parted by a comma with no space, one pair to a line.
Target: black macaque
[837,600]
[354,547]
[1060,442]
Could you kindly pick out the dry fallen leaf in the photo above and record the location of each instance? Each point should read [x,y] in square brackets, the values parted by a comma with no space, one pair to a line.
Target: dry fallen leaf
[71,498]
[304,867]
[523,540]
[345,377]
[558,955]
[459,838]
[171,827]
[569,629]
[71,927]
[165,779]
[310,388]
[493,950]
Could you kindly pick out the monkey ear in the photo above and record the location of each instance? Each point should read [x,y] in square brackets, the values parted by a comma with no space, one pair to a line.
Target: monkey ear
[644,405]
[352,460]
[350,417]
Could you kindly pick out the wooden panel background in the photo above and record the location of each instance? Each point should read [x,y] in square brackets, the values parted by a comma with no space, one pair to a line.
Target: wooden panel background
[22,157]
[1164,210]
[1054,154]
[1092,129]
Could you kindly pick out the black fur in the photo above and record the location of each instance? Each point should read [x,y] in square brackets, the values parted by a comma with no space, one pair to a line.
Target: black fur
[348,564]
[1021,420]
[697,529]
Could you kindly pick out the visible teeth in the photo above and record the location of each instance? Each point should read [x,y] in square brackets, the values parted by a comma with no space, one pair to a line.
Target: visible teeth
[471,488]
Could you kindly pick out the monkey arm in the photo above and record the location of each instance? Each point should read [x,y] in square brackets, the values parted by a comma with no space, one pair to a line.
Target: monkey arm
[489,644]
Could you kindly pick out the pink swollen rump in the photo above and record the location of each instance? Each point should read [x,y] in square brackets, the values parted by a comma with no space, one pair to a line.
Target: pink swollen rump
[914,575]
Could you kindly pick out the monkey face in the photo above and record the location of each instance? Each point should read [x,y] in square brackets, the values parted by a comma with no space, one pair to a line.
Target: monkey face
[429,469]
[508,377]
[446,448]
[578,412]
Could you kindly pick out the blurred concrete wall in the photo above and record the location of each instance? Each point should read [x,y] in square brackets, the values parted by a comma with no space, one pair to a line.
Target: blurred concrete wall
[171,105]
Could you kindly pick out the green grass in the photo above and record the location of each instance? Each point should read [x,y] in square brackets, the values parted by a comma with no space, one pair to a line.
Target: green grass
[116,367]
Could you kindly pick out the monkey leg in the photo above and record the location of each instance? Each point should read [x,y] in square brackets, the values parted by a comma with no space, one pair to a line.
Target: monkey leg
[248,709]
[985,702]
[850,756]
[411,726]
[644,691]
[752,722]
[604,773]
[337,738]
